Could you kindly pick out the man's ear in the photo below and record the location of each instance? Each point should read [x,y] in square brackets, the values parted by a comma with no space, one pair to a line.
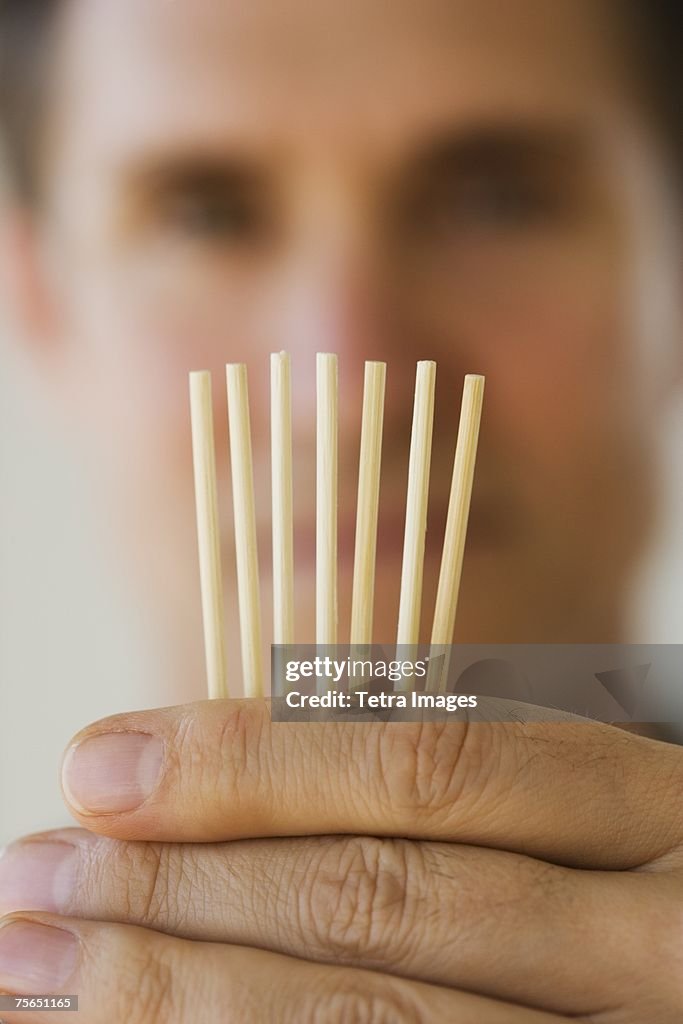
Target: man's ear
[26,286]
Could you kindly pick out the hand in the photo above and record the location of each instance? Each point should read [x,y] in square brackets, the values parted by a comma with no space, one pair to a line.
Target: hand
[491,872]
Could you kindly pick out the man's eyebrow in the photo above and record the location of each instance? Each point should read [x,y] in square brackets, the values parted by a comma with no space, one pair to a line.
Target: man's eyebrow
[169,173]
[499,147]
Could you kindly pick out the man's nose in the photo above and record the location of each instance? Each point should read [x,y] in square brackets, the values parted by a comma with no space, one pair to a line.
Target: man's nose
[345,306]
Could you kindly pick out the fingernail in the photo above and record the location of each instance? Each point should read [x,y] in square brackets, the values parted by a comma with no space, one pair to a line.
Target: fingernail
[37,876]
[112,772]
[35,957]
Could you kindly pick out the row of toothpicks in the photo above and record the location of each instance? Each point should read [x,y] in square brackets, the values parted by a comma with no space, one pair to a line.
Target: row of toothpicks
[362,604]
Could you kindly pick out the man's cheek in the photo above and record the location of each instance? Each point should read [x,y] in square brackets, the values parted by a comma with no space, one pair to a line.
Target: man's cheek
[556,376]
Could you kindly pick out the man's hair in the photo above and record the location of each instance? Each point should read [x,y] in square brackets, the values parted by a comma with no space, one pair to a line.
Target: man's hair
[26,52]
[27,27]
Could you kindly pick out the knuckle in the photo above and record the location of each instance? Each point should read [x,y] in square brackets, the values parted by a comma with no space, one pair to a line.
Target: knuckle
[149,888]
[196,762]
[241,747]
[431,769]
[361,897]
[146,988]
[365,1003]
[223,740]
[152,883]
[238,734]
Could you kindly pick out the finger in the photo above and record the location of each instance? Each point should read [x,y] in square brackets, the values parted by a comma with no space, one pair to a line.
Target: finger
[125,973]
[581,794]
[441,913]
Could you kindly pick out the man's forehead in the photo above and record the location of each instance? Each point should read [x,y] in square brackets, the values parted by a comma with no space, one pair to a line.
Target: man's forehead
[267,69]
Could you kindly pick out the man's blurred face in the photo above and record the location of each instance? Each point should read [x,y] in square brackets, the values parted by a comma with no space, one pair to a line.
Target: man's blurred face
[461,180]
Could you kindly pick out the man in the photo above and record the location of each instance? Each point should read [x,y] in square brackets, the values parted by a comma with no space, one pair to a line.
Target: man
[489,185]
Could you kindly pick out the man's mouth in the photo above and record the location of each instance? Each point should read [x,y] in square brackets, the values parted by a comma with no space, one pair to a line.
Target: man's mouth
[485,529]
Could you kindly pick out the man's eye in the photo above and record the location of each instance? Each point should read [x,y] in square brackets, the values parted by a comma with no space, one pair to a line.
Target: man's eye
[502,204]
[493,206]
[216,218]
